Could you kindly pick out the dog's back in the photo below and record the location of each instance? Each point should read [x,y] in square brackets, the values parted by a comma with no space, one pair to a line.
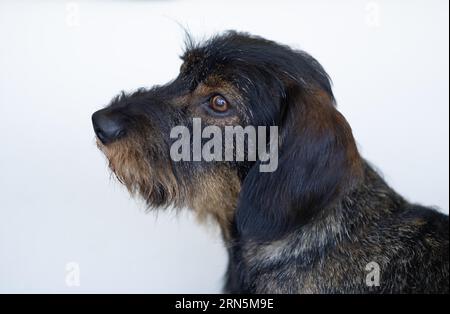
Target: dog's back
[373,241]
[421,264]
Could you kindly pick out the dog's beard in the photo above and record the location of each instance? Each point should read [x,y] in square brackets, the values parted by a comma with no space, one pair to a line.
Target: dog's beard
[209,192]
[153,180]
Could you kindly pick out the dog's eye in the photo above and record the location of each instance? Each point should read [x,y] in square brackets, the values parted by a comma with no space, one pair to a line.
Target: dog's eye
[218,103]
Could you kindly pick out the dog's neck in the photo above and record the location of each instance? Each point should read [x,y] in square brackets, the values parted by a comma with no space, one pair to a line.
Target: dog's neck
[218,198]
[340,220]
[332,231]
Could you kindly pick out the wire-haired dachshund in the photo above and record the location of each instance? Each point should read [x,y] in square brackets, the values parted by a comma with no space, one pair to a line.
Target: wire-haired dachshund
[323,222]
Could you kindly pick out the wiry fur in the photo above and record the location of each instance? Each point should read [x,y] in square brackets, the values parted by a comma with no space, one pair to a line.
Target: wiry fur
[311,226]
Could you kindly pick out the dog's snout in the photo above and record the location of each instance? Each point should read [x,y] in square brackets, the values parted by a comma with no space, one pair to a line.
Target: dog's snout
[108,127]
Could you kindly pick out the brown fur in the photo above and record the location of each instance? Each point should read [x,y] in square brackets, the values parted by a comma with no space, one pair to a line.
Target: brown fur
[311,226]
[215,196]
[128,161]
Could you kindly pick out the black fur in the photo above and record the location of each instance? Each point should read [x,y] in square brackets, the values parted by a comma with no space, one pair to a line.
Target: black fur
[314,224]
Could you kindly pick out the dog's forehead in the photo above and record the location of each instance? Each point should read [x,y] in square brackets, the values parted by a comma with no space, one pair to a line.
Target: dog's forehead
[220,51]
[199,63]
[199,68]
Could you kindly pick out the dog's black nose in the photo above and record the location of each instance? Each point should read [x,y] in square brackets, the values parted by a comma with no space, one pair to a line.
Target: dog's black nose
[108,127]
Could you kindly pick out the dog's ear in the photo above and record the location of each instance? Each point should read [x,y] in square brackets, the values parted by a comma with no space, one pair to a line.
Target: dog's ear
[318,161]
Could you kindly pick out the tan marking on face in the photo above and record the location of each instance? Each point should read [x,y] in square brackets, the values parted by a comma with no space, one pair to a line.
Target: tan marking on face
[212,86]
[181,101]
[128,162]
[215,84]
[213,194]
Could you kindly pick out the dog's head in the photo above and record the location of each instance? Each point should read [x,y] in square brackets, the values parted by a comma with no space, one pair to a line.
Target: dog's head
[235,80]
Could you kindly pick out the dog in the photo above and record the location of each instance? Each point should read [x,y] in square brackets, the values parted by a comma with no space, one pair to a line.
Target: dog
[323,222]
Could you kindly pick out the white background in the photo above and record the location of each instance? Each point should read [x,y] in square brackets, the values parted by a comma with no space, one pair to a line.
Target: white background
[60,61]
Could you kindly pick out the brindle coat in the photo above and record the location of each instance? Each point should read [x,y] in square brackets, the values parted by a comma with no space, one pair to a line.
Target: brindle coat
[313,225]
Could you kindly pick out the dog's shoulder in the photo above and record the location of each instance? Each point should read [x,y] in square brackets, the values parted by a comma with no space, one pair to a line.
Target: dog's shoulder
[426,224]
[423,260]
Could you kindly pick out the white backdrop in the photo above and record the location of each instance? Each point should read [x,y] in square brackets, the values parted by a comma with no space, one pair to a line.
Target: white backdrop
[60,61]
